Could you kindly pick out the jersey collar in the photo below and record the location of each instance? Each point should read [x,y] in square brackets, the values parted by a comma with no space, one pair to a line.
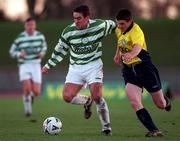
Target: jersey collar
[34,33]
[129,28]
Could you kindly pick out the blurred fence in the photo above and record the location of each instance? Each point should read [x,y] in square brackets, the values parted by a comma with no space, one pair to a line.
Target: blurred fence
[10,85]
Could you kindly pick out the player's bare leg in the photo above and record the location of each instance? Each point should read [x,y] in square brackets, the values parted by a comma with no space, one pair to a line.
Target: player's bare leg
[161,101]
[36,90]
[70,95]
[70,92]
[27,97]
[158,99]
[102,108]
[134,95]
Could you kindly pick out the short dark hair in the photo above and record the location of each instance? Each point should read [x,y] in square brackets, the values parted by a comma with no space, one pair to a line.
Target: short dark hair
[83,9]
[29,19]
[124,14]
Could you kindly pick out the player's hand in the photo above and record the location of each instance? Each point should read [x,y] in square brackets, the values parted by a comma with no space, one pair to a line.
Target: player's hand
[44,70]
[127,57]
[22,54]
[41,55]
[116,59]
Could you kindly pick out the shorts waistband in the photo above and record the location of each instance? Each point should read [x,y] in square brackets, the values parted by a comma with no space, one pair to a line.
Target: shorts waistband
[90,64]
[132,65]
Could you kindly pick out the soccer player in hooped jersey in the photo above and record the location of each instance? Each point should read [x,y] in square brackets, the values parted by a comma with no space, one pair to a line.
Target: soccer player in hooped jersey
[138,70]
[29,48]
[83,41]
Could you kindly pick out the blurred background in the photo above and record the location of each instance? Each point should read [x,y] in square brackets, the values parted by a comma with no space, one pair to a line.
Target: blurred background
[159,19]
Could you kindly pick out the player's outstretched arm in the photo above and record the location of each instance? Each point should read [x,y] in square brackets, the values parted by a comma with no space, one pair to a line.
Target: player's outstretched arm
[130,55]
[57,56]
[117,56]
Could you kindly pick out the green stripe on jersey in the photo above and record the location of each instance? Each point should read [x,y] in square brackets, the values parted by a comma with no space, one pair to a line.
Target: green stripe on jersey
[86,34]
[32,45]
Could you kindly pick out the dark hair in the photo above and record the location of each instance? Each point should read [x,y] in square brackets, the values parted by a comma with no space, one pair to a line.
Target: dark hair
[29,19]
[124,14]
[83,9]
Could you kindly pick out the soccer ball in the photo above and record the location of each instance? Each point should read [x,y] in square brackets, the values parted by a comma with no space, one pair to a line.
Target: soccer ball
[52,125]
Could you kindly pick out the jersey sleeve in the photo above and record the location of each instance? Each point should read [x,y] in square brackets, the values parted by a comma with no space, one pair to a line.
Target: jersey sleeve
[59,52]
[44,45]
[109,27]
[138,37]
[14,51]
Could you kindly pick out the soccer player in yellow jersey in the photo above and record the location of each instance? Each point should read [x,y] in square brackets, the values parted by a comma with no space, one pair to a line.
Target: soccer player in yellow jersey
[138,70]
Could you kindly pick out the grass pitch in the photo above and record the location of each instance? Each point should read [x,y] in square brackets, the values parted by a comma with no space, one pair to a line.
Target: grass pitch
[126,127]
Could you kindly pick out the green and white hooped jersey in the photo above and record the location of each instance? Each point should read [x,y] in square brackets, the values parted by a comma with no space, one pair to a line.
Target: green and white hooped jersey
[83,45]
[33,45]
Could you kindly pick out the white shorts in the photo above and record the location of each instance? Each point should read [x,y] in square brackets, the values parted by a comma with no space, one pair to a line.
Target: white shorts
[88,73]
[30,71]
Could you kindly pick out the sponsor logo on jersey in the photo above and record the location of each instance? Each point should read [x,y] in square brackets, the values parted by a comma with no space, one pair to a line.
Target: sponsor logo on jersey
[84,40]
[86,48]
[123,42]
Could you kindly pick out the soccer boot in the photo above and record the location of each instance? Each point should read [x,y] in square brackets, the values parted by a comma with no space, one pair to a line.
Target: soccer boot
[107,131]
[28,114]
[87,108]
[155,133]
[168,103]
[168,97]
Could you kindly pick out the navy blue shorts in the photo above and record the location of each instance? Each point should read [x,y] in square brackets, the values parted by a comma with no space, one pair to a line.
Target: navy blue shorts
[142,75]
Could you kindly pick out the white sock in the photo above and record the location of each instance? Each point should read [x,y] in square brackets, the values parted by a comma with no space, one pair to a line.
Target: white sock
[31,94]
[79,99]
[103,113]
[27,104]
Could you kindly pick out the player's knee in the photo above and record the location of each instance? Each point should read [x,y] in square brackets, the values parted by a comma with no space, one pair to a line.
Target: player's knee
[136,105]
[161,104]
[96,97]
[37,93]
[26,91]
[67,97]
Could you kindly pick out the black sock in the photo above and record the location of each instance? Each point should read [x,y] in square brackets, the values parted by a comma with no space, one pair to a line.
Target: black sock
[146,119]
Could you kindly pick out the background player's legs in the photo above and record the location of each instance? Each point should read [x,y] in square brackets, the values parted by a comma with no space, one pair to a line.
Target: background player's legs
[36,77]
[70,92]
[36,88]
[101,105]
[27,87]
[134,94]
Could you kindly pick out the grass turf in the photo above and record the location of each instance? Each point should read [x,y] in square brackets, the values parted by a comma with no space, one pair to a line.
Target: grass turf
[15,126]
[126,127]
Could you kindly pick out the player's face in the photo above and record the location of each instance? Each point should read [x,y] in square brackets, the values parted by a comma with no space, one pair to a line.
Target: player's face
[123,24]
[80,21]
[30,27]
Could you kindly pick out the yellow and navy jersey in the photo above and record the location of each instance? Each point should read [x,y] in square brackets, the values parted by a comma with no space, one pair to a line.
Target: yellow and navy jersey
[126,41]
